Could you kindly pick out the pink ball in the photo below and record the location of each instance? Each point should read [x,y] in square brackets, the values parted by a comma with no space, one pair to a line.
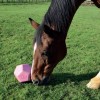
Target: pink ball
[23,73]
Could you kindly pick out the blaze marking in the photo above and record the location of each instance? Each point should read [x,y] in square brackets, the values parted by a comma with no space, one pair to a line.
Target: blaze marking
[35,46]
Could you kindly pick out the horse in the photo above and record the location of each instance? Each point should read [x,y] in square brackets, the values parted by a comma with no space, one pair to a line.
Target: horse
[49,41]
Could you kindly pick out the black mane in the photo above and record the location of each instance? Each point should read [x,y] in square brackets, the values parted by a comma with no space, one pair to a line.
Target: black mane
[59,16]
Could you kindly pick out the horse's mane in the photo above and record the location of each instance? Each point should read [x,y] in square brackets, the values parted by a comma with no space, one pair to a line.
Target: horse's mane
[59,16]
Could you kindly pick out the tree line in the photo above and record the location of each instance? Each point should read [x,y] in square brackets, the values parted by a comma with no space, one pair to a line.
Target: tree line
[23,1]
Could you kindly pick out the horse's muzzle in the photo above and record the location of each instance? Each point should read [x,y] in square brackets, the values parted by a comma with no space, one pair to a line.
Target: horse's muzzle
[44,81]
[36,82]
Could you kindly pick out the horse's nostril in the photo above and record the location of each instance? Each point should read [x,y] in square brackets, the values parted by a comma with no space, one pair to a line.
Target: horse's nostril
[44,81]
[36,82]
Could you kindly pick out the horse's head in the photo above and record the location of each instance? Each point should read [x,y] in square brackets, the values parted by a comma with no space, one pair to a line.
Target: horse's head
[47,53]
[97,3]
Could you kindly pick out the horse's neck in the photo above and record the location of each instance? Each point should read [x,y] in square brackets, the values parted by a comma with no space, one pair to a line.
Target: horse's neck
[60,14]
[79,2]
[77,5]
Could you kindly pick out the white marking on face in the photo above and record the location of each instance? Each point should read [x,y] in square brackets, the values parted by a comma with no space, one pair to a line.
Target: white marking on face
[35,46]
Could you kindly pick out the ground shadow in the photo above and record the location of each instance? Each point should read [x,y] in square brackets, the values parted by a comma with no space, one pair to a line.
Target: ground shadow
[59,78]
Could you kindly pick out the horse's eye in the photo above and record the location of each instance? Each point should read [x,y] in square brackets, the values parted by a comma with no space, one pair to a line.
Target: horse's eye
[45,53]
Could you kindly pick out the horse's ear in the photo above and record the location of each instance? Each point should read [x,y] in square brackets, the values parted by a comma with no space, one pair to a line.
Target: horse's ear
[33,23]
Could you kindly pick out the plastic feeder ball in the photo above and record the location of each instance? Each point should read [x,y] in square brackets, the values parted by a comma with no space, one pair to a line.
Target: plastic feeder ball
[23,73]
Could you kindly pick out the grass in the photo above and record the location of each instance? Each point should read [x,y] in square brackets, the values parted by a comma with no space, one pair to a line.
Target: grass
[69,79]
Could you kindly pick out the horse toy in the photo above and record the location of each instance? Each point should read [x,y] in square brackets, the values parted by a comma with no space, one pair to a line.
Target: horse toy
[23,73]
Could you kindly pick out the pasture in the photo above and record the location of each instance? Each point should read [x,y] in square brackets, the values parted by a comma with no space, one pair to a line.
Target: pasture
[69,78]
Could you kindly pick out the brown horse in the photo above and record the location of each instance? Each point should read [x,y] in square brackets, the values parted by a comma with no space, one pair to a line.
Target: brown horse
[49,41]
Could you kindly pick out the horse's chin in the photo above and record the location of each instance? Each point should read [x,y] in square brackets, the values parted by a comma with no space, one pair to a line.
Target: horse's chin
[45,80]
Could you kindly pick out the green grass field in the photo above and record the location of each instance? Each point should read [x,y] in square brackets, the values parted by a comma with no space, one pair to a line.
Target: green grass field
[69,79]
